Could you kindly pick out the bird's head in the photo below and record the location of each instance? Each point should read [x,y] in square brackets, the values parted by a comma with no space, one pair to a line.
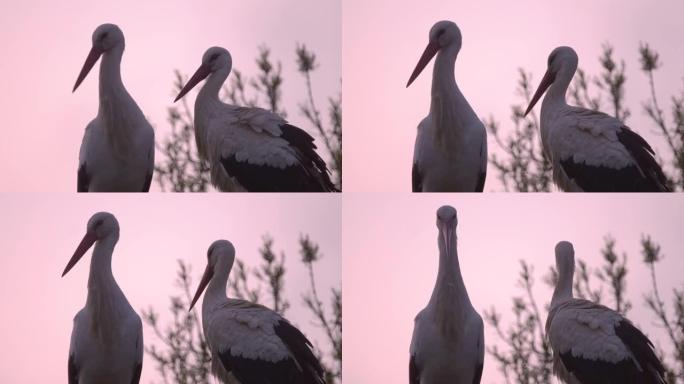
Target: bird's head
[214,59]
[565,258]
[105,38]
[561,59]
[100,226]
[445,33]
[220,258]
[446,223]
[442,35]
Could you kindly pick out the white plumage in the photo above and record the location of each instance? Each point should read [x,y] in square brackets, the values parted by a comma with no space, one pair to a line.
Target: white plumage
[247,148]
[592,343]
[250,343]
[450,153]
[107,339]
[117,151]
[589,150]
[448,336]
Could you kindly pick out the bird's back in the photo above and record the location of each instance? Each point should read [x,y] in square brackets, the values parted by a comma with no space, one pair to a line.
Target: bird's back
[254,344]
[256,150]
[595,152]
[592,343]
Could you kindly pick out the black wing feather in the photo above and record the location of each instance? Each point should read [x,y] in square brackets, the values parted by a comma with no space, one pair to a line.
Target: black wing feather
[478,373]
[72,370]
[645,158]
[414,371]
[148,182]
[300,347]
[643,351]
[83,180]
[481,181]
[309,175]
[626,371]
[265,178]
[416,179]
[136,373]
[644,176]
[257,371]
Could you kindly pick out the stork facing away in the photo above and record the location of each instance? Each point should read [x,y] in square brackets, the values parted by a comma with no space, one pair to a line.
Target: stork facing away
[450,153]
[592,343]
[250,343]
[448,336]
[589,150]
[250,149]
[117,151]
[107,339]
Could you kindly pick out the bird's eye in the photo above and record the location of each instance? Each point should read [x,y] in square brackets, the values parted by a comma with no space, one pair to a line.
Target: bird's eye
[214,57]
[103,36]
[98,223]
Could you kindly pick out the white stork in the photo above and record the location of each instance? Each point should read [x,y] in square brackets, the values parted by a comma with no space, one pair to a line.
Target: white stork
[592,343]
[450,153]
[589,150]
[250,149]
[107,338]
[448,336]
[117,151]
[250,343]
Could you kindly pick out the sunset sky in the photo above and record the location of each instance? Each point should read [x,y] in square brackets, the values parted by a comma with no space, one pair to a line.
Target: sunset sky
[383,40]
[46,43]
[390,266]
[40,233]
[376,238]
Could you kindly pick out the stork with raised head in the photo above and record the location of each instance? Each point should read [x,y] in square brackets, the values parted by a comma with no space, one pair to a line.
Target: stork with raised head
[107,338]
[590,151]
[448,335]
[248,148]
[250,343]
[592,343]
[450,153]
[117,151]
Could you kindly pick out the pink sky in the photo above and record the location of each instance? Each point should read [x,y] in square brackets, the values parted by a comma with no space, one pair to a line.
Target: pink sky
[46,43]
[40,233]
[383,39]
[390,266]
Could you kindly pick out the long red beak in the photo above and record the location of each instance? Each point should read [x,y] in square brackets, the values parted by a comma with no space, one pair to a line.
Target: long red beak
[88,240]
[208,274]
[201,73]
[92,58]
[546,82]
[429,52]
